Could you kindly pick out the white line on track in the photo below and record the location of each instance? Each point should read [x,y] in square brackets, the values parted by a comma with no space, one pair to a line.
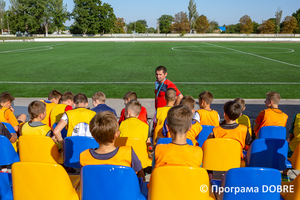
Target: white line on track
[252,54]
[148,83]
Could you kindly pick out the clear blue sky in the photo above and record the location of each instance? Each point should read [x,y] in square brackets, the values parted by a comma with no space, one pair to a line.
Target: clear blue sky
[222,11]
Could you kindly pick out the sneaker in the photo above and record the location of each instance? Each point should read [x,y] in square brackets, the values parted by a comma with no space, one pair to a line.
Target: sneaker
[285,178]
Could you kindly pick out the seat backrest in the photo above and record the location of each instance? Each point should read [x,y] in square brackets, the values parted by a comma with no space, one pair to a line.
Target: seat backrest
[295,159]
[178,182]
[35,181]
[206,130]
[261,180]
[272,132]
[5,186]
[109,182]
[139,147]
[169,140]
[221,154]
[73,146]
[8,154]
[9,127]
[35,148]
[270,152]
[63,131]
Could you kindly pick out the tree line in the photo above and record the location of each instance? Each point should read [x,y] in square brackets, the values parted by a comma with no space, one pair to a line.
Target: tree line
[95,17]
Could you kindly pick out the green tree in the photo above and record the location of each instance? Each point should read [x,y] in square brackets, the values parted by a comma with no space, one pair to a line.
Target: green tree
[233,28]
[278,16]
[255,27]
[267,27]
[297,16]
[180,23]
[165,22]
[213,25]
[119,26]
[150,30]
[91,17]
[193,14]
[202,24]
[246,25]
[290,25]
[2,15]
[139,26]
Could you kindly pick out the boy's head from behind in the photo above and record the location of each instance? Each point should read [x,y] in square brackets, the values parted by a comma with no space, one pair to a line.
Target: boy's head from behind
[189,102]
[81,99]
[272,98]
[205,97]
[104,127]
[37,109]
[170,95]
[179,119]
[98,98]
[232,110]
[54,96]
[133,108]
[67,98]
[6,99]
[131,95]
[241,101]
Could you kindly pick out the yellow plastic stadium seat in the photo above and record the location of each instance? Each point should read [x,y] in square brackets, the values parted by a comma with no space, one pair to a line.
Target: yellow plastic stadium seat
[36,181]
[139,147]
[178,182]
[295,193]
[38,149]
[295,159]
[221,154]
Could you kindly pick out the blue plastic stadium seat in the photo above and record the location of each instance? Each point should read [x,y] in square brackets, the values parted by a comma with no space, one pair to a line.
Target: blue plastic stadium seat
[9,127]
[206,130]
[64,131]
[5,186]
[259,179]
[8,154]
[73,146]
[169,140]
[271,153]
[108,182]
[272,132]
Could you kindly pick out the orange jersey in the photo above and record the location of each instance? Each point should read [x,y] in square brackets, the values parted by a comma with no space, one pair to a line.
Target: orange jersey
[239,133]
[271,117]
[209,117]
[194,132]
[178,155]
[123,157]
[6,115]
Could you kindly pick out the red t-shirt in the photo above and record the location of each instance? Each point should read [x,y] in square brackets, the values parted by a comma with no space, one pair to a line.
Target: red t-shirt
[162,88]
[142,116]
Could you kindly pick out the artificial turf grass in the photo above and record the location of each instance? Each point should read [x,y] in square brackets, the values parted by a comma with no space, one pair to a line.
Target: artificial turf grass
[136,62]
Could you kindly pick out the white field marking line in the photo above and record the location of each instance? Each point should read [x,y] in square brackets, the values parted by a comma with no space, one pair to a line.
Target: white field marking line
[181,49]
[32,49]
[253,55]
[152,83]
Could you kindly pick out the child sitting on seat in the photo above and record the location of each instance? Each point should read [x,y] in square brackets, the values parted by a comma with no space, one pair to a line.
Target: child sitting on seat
[104,128]
[132,126]
[232,130]
[206,115]
[243,119]
[53,99]
[178,152]
[37,112]
[6,112]
[271,116]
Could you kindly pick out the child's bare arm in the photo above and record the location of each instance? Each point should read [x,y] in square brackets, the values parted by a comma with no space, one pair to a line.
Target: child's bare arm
[57,131]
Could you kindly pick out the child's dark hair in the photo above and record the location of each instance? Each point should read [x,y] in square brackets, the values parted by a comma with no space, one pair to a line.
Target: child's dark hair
[241,101]
[170,94]
[104,126]
[188,101]
[80,98]
[233,109]
[36,108]
[54,94]
[68,95]
[206,96]
[5,97]
[179,119]
[161,68]
[131,95]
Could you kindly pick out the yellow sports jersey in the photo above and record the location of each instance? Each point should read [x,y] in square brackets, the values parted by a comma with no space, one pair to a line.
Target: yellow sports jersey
[78,115]
[134,128]
[161,115]
[178,155]
[123,157]
[209,117]
[41,130]
[49,107]
[296,131]
[57,113]
[244,119]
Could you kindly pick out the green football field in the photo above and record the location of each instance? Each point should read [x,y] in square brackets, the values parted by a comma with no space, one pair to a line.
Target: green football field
[228,69]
